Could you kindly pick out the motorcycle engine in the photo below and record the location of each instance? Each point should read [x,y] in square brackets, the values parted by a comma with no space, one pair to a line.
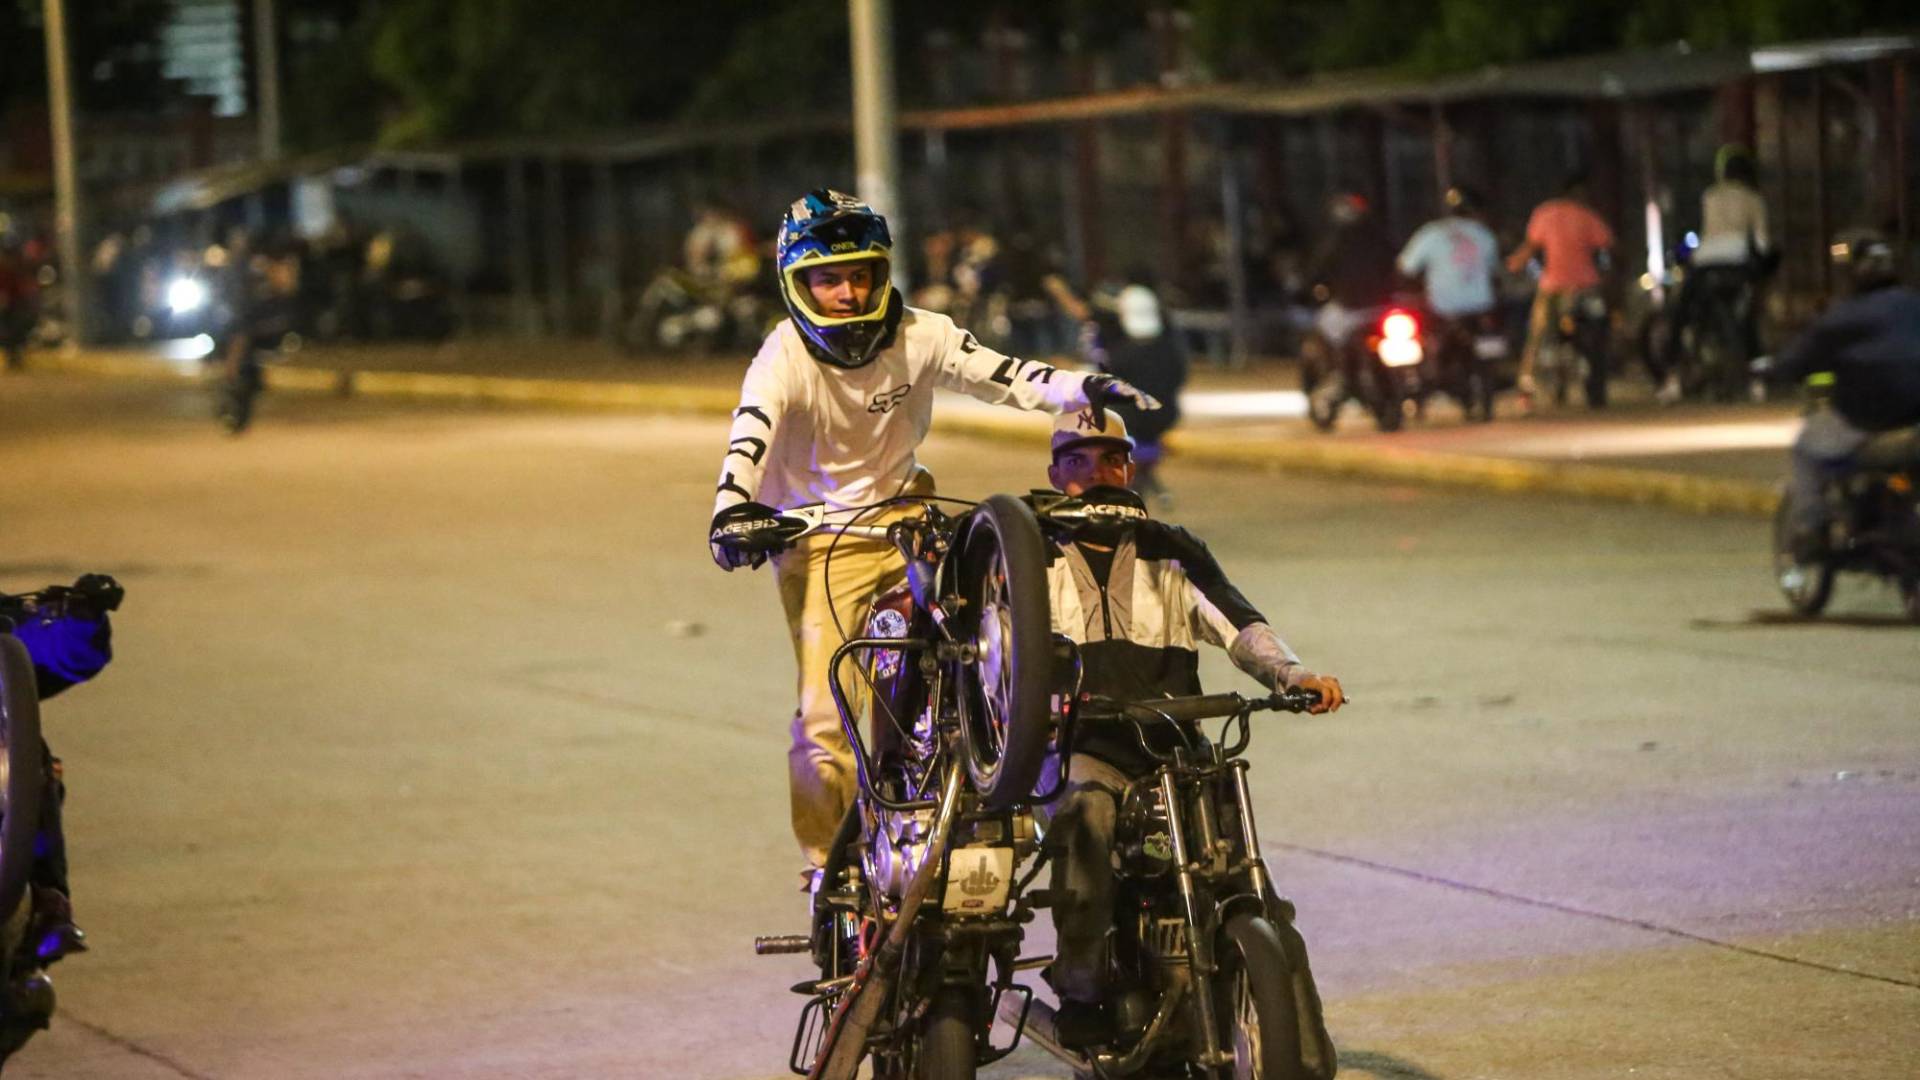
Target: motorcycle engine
[898,849]
[1141,834]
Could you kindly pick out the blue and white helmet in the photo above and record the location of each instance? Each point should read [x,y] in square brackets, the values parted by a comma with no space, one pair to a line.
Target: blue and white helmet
[825,227]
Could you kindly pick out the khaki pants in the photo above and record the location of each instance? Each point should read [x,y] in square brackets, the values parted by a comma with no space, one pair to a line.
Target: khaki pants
[821,776]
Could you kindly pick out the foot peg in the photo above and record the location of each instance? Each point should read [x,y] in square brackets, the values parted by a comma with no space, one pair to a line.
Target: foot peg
[775,944]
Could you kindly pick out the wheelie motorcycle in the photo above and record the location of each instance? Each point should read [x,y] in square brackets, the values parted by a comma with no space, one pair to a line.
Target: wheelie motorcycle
[918,915]
[36,926]
[1209,978]
[1873,512]
[1382,364]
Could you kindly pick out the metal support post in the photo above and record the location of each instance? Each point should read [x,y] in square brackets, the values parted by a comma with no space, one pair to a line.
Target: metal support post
[876,119]
[69,204]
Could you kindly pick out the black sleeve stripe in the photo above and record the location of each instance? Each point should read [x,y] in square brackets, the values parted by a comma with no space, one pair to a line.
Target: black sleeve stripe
[754,450]
[1158,540]
[754,411]
[727,484]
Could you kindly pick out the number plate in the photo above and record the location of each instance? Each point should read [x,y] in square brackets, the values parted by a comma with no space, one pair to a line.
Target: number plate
[978,879]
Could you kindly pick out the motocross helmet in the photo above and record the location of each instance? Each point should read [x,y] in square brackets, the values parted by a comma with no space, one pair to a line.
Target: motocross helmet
[1865,257]
[823,228]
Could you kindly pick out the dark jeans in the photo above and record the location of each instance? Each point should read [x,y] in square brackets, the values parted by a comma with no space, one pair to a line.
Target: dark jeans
[1730,286]
[1080,838]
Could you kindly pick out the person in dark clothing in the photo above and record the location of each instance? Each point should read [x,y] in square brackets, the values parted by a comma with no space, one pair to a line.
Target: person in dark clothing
[1137,600]
[1869,345]
[1126,333]
[1351,272]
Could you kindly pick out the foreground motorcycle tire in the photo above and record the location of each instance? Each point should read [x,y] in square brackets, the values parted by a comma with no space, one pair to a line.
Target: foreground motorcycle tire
[22,783]
[1807,586]
[947,1047]
[1005,698]
[1258,1014]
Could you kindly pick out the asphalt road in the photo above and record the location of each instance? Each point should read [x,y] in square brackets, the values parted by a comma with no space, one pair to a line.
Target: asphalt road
[435,747]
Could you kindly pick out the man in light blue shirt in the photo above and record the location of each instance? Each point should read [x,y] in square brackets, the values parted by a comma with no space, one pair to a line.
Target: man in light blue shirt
[1455,257]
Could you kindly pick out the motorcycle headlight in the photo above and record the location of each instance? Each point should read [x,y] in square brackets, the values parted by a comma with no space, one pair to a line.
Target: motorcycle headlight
[185,295]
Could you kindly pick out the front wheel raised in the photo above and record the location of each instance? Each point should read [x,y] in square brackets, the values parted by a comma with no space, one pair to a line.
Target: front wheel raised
[1004,711]
[22,772]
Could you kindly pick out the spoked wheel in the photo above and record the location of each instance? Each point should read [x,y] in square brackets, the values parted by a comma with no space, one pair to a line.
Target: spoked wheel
[1259,1016]
[1003,697]
[947,1048]
[1807,586]
[21,776]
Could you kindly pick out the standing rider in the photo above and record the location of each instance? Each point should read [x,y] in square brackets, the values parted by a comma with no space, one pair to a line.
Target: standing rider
[1734,248]
[831,411]
[1570,237]
[1136,599]
[1869,345]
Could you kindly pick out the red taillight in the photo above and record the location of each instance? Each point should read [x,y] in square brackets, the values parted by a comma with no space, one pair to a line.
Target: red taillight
[1400,326]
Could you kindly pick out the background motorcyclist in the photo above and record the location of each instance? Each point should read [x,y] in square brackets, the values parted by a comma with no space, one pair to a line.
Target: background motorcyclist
[1455,257]
[19,308]
[1137,600]
[1734,251]
[831,411]
[1570,239]
[1351,270]
[68,647]
[1869,342]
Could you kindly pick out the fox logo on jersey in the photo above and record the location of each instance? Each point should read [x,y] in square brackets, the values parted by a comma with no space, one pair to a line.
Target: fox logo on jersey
[885,400]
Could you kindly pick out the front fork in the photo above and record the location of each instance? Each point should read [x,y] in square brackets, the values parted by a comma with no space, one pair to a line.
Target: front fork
[1201,918]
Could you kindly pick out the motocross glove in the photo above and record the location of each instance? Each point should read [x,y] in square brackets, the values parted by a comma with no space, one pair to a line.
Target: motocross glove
[1105,390]
[730,538]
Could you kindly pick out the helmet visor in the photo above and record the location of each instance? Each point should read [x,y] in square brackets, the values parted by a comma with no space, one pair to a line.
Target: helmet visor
[821,297]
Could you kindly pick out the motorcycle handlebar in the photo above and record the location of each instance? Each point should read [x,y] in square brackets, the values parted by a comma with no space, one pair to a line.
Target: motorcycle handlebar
[1202,706]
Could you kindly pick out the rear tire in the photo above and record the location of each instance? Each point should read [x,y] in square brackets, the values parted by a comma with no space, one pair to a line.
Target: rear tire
[1004,709]
[947,1047]
[22,774]
[1807,586]
[1259,1018]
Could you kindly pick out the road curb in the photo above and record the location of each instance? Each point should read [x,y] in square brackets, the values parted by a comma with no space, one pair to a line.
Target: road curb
[1325,456]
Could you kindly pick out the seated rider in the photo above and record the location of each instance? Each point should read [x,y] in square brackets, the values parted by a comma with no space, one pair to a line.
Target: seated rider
[1136,600]
[1869,345]
[67,647]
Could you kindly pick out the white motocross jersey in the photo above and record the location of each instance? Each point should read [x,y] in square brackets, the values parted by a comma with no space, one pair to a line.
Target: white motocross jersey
[808,432]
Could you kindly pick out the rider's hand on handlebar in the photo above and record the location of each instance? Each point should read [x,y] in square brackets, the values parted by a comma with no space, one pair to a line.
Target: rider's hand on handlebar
[730,537]
[1328,687]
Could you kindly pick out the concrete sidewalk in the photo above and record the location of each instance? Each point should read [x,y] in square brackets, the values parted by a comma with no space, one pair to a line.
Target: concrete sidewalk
[1706,459]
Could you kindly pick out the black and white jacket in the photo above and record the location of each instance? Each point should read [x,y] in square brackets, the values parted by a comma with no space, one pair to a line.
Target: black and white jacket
[1139,634]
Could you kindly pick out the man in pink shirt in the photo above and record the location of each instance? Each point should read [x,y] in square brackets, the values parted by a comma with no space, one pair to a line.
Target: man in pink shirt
[1570,237]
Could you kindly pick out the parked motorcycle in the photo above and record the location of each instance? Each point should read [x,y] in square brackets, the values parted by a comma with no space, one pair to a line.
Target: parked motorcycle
[918,915]
[679,313]
[1382,364]
[1874,527]
[1209,976]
